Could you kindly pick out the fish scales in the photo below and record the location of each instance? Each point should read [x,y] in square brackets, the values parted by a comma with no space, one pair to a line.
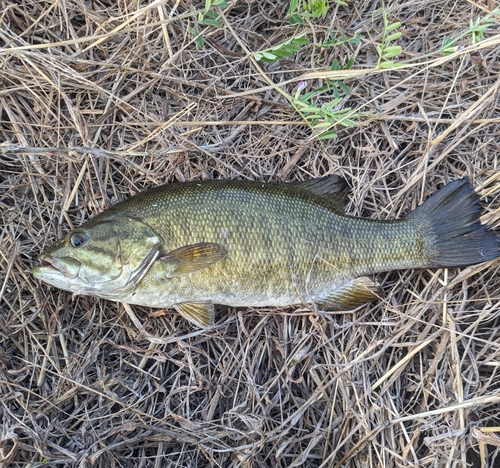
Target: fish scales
[240,243]
[281,242]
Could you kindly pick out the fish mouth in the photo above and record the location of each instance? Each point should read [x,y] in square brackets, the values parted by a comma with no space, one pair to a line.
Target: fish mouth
[67,266]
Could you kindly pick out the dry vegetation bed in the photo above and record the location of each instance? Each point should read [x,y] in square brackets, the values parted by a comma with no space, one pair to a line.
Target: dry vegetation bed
[101,99]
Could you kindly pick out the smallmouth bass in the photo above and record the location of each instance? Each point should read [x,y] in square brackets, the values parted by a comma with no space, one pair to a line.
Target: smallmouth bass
[191,245]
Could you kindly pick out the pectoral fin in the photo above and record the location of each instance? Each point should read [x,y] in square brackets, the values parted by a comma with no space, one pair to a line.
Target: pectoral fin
[199,313]
[355,293]
[191,258]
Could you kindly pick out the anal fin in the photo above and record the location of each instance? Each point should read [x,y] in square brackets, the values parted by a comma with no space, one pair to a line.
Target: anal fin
[199,313]
[356,292]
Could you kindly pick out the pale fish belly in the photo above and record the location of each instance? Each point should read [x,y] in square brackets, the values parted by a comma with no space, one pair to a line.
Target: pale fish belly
[216,286]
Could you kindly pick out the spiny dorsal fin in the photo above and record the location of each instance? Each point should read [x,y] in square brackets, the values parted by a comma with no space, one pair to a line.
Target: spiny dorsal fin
[191,258]
[356,292]
[333,187]
[199,313]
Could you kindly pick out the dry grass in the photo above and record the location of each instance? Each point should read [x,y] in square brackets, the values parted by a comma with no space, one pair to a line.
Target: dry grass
[102,99]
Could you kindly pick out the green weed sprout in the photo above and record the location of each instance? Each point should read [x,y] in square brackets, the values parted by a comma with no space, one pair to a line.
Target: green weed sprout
[476,31]
[385,50]
[322,119]
[208,17]
[285,49]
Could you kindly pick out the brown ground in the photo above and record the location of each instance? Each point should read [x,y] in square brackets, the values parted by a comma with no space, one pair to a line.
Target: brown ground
[101,99]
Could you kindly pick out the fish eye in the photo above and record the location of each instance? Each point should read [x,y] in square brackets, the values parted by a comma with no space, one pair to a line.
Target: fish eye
[78,239]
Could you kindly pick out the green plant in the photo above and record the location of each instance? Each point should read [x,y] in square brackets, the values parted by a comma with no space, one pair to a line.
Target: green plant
[448,48]
[331,40]
[200,43]
[336,84]
[288,48]
[476,31]
[322,119]
[477,28]
[207,17]
[300,10]
[385,50]
[285,49]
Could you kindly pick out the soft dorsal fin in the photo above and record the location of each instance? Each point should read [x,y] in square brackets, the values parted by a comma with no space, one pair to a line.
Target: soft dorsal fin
[333,187]
[191,258]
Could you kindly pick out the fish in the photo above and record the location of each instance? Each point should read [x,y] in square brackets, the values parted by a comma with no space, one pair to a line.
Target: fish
[190,245]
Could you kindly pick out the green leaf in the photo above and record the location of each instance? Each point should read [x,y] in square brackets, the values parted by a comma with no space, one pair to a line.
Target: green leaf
[312,118]
[293,6]
[325,87]
[387,64]
[210,22]
[306,97]
[348,123]
[391,51]
[213,15]
[327,135]
[269,56]
[322,125]
[393,26]
[200,43]
[448,48]
[393,37]
[300,40]
[332,104]
[280,53]
[308,108]
[291,47]
[344,87]
[447,41]
[296,20]
[448,51]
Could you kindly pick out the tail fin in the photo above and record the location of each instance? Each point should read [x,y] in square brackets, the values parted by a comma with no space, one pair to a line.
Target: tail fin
[460,239]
